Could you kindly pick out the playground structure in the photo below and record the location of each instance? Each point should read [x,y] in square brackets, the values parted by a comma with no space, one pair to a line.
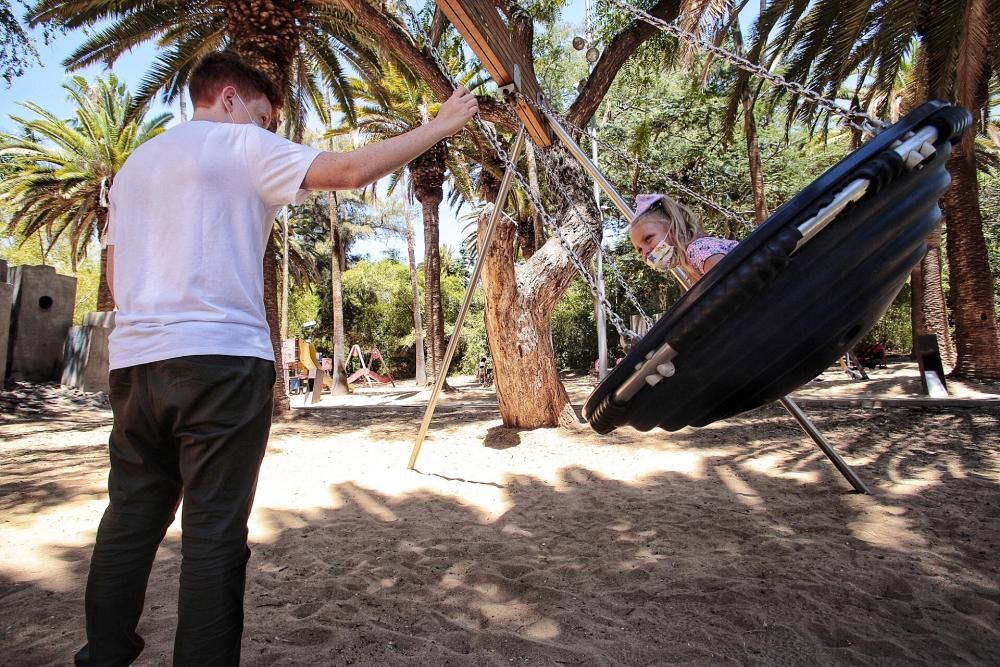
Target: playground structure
[300,359]
[366,371]
[900,175]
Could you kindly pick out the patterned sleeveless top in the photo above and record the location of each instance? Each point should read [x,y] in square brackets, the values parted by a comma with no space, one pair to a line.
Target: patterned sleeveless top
[701,249]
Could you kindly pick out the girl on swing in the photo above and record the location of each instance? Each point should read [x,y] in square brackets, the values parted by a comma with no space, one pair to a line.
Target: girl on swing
[668,234]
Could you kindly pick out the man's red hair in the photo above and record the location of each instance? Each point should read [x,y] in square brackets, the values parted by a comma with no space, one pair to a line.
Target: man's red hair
[218,70]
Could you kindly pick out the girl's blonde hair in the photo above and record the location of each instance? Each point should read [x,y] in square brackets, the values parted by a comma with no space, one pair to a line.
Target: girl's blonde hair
[681,224]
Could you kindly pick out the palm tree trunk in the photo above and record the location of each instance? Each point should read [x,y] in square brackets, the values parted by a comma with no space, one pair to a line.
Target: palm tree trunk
[428,172]
[976,335]
[928,306]
[284,275]
[929,309]
[270,268]
[753,155]
[418,327]
[432,290]
[105,302]
[339,385]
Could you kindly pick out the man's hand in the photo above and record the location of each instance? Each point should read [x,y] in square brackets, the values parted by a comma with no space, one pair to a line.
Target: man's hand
[457,111]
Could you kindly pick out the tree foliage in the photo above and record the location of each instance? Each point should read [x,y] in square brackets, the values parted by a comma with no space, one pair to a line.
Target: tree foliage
[17,50]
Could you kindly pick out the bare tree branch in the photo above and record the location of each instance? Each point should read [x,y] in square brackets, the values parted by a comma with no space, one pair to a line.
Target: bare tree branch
[614,56]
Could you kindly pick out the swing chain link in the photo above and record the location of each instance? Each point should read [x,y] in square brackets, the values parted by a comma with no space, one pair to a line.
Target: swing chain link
[509,164]
[560,187]
[677,185]
[858,120]
[554,228]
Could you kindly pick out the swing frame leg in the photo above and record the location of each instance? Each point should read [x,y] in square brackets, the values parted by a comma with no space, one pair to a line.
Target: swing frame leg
[477,270]
[806,424]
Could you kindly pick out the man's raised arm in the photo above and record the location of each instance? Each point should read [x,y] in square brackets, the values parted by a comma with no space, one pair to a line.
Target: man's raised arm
[361,167]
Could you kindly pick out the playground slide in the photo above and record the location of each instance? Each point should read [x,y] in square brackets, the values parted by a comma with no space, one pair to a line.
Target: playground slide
[360,373]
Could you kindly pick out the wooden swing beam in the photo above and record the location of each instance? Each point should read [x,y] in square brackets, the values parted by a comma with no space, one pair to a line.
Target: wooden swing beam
[485,32]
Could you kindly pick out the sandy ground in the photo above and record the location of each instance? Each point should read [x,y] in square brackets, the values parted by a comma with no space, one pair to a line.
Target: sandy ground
[734,544]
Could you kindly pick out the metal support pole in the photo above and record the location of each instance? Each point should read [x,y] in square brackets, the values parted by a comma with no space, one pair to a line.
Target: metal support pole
[602,323]
[589,167]
[814,433]
[456,335]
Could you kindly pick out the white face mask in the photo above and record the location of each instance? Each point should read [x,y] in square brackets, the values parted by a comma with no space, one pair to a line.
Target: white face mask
[249,115]
[661,257]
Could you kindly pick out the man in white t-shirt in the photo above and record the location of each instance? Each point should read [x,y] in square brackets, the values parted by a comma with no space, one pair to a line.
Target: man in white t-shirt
[192,366]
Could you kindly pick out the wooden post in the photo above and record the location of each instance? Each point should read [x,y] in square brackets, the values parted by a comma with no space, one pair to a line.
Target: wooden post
[485,32]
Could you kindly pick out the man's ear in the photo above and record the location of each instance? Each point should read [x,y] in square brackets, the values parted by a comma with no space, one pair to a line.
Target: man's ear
[227,96]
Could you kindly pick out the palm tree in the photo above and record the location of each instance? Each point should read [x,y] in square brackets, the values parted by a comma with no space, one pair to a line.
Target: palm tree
[391,106]
[302,46]
[61,169]
[825,43]
[299,45]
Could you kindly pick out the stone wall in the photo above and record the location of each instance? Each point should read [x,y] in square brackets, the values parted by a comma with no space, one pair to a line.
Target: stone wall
[40,318]
[85,357]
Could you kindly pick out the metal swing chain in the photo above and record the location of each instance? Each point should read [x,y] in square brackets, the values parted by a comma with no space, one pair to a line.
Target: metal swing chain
[677,185]
[616,319]
[555,229]
[859,120]
[560,187]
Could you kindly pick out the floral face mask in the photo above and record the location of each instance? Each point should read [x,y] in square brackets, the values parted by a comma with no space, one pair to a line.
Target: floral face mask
[661,257]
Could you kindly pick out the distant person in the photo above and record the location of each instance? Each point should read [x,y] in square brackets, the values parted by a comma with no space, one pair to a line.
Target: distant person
[311,380]
[192,366]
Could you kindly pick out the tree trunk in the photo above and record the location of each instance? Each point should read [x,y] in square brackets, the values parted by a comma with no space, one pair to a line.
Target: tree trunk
[519,304]
[427,172]
[977,342]
[281,404]
[105,302]
[976,335]
[929,309]
[418,326]
[928,306]
[285,287]
[753,155]
[432,290]
[753,141]
[339,385]
[536,217]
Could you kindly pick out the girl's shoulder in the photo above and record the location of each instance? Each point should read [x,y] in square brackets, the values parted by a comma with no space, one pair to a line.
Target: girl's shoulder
[707,246]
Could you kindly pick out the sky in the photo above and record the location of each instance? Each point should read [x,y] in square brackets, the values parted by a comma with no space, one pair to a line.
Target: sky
[42,84]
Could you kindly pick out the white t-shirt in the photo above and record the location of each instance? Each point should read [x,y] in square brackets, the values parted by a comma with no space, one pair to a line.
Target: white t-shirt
[191,211]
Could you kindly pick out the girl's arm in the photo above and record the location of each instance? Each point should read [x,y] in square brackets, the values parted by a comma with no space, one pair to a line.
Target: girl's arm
[710,262]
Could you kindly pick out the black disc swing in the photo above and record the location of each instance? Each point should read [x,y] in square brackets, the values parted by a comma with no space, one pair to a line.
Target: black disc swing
[787,302]
[798,293]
